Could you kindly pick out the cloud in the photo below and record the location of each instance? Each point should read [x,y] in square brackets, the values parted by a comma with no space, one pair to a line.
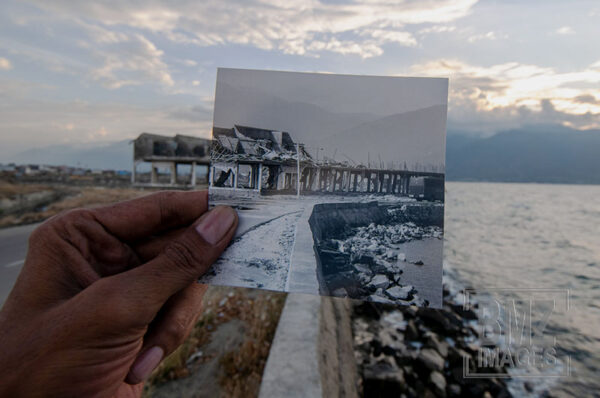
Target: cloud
[127,59]
[517,92]
[5,64]
[565,30]
[486,36]
[80,121]
[303,27]
[192,114]
[437,29]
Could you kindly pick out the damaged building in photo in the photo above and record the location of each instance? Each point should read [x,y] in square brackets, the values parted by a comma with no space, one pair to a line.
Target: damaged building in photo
[170,162]
[250,159]
[350,230]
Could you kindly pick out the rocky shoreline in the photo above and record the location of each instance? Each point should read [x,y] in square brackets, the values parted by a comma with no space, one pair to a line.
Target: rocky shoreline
[419,352]
[367,262]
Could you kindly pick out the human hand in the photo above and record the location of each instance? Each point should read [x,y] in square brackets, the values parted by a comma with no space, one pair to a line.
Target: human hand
[106,293]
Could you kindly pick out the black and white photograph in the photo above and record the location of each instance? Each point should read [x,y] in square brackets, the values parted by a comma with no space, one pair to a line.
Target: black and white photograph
[338,181]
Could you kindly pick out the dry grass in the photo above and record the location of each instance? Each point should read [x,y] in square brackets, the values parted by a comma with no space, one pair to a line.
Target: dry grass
[241,369]
[77,198]
[9,190]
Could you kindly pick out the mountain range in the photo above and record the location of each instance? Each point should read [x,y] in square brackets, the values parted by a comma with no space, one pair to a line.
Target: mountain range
[544,154]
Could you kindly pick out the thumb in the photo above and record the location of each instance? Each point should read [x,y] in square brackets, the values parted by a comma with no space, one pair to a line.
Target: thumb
[184,259]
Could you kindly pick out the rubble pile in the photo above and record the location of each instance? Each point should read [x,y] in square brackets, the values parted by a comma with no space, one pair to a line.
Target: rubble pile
[367,262]
[415,352]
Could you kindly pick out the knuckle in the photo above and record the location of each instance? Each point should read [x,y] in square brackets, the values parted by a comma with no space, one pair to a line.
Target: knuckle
[175,332]
[184,255]
[38,234]
[73,217]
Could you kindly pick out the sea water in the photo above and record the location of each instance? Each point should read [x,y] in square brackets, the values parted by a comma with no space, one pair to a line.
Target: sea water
[534,236]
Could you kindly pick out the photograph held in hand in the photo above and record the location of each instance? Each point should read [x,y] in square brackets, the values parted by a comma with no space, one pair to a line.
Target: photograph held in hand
[338,181]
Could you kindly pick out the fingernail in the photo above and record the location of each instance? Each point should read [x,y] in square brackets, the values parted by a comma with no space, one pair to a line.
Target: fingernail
[216,223]
[146,363]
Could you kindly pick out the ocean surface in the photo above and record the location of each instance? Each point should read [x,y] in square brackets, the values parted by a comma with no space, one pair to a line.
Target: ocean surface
[534,236]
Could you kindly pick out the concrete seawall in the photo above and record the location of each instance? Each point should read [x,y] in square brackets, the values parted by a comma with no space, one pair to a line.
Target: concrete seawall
[334,220]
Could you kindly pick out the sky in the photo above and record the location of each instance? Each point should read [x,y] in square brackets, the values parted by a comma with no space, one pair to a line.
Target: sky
[351,116]
[83,73]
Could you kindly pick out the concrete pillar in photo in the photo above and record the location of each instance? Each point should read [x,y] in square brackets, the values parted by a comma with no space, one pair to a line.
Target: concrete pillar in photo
[153,174]
[297,169]
[259,178]
[389,183]
[235,176]
[349,181]
[211,172]
[368,174]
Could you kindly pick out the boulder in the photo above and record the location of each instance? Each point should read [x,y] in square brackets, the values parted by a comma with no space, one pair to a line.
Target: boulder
[391,341]
[362,268]
[437,382]
[430,358]
[438,344]
[399,293]
[454,390]
[376,298]
[412,332]
[380,282]
[383,379]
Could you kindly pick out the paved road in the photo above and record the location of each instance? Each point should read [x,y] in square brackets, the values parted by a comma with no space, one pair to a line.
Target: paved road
[13,247]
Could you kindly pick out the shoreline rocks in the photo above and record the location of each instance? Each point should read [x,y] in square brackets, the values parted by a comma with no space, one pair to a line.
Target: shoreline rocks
[414,352]
[366,262]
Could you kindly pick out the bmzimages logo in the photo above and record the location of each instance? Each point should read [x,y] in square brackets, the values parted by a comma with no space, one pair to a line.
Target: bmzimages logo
[514,334]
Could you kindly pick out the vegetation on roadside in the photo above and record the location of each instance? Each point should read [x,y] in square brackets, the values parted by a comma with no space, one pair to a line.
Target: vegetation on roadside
[240,370]
[59,198]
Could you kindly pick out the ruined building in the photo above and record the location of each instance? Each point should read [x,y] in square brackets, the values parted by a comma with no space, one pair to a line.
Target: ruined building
[167,153]
[269,161]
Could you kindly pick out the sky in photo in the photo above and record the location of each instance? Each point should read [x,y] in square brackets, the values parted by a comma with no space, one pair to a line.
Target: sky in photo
[91,72]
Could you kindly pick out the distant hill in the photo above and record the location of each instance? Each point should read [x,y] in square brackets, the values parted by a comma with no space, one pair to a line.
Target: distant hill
[545,154]
[306,123]
[405,137]
[550,154]
[114,156]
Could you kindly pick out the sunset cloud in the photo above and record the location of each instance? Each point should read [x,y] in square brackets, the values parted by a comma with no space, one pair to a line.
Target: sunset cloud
[295,26]
[5,64]
[514,88]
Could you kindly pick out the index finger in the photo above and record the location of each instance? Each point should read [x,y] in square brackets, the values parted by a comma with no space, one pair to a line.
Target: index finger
[152,214]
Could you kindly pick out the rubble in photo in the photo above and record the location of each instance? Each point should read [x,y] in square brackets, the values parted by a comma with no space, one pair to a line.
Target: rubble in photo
[329,218]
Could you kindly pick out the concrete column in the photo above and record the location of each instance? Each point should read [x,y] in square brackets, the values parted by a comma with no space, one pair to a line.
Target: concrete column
[193,181]
[173,167]
[368,175]
[133,172]
[134,165]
